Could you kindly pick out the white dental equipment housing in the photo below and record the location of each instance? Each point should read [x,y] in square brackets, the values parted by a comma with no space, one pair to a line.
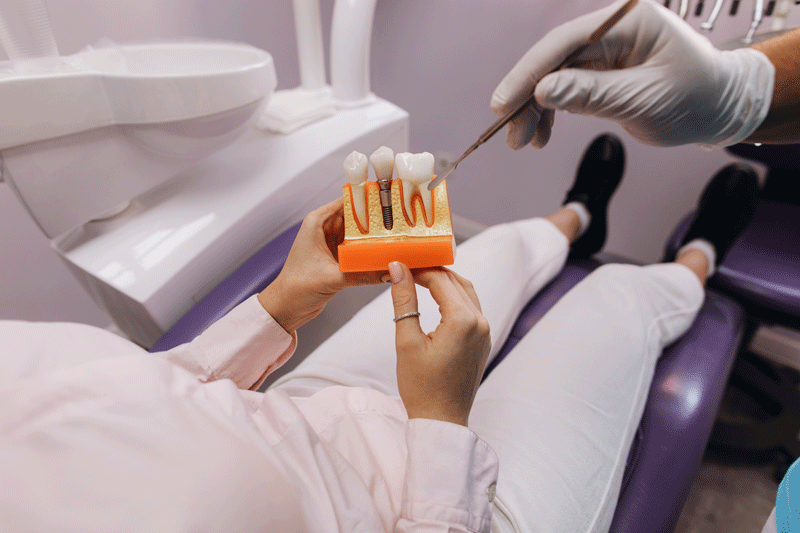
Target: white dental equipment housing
[142,165]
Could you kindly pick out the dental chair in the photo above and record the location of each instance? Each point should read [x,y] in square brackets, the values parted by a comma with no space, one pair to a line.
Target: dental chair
[760,418]
[680,412]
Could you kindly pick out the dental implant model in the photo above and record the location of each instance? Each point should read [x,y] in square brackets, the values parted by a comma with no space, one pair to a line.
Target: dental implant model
[394,219]
[382,161]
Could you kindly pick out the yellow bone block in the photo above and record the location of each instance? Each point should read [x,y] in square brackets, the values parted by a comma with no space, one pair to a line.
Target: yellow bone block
[412,240]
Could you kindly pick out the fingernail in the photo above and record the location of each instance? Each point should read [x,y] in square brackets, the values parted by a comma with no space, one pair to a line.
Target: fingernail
[395,272]
[385,278]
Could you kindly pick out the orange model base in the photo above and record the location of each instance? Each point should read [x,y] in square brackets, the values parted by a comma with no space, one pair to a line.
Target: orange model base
[413,239]
[359,256]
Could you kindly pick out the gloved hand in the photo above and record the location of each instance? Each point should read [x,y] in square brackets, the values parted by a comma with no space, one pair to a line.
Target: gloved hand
[666,84]
[438,374]
[310,277]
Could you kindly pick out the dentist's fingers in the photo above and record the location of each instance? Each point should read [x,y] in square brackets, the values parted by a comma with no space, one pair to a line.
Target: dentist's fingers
[522,128]
[545,56]
[544,128]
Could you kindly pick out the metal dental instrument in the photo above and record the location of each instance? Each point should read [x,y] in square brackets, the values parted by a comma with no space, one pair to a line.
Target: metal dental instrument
[683,11]
[758,14]
[502,121]
[709,24]
[385,195]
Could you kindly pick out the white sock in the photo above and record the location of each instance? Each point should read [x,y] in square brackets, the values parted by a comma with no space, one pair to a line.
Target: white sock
[707,248]
[583,214]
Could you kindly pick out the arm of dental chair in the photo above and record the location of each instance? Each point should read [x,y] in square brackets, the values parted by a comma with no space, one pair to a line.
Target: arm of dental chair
[251,277]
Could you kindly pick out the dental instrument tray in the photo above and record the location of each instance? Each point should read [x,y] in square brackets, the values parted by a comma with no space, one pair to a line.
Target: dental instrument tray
[418,232]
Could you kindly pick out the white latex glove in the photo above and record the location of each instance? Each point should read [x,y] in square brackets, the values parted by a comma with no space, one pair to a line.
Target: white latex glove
[666,84]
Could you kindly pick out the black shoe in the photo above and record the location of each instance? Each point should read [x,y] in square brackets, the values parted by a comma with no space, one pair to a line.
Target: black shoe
[725,208]
[599,174]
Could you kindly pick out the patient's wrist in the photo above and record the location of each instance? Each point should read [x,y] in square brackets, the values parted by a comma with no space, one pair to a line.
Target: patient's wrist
[275,302]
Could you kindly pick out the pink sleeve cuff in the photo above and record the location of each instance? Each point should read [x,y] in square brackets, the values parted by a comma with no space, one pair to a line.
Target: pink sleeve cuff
[451,476]
[245,346]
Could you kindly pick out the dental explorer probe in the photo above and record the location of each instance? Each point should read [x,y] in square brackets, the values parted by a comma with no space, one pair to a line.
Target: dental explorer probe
[758,14]
[502,121]
[709,24]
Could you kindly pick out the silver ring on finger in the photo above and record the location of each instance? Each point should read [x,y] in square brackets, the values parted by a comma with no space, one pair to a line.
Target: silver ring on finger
[406,315]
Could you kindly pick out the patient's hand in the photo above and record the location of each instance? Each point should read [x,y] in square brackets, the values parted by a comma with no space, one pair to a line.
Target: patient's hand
[311,277]
[438,374]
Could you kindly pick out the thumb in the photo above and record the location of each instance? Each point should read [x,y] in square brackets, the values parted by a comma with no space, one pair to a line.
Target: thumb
[404,298]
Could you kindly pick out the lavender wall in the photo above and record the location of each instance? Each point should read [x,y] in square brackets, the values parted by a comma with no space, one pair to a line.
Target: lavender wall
[438,59]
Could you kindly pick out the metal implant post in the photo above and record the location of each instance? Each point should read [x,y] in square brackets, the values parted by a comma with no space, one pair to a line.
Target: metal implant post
[385,196]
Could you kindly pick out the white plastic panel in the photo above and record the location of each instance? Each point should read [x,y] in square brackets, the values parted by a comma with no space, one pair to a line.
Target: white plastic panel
[147,266]
[67,181]
[138,84]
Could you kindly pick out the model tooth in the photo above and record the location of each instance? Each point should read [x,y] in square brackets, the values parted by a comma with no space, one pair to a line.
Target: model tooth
[357,170]
[383,162]
[416,171]
[426,162]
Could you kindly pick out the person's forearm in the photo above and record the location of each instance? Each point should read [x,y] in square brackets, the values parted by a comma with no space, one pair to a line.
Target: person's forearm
[274,302]
[782,125]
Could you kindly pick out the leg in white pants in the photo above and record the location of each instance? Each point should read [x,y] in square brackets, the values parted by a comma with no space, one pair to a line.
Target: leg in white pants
[507,264]
[561,410]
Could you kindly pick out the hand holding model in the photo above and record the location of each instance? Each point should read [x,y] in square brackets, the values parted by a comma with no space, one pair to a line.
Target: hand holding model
[311,277]
[666,84]
[438,374]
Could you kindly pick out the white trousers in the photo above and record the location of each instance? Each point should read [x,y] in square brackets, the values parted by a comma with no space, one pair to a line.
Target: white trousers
[562,408]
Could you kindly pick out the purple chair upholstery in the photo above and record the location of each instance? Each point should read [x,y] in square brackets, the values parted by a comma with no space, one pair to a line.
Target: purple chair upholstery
[762,267]
[679,415]
[762,271]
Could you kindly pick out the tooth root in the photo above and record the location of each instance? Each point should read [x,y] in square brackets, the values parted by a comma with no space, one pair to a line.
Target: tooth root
[425,162]
[402,163]
[360,204]
[424,174]
[357,170]
[427,200]
[408,192]
[382,161]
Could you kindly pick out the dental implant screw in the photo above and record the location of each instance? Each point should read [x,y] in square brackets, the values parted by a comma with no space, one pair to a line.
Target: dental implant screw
[388,221]
[385,196]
